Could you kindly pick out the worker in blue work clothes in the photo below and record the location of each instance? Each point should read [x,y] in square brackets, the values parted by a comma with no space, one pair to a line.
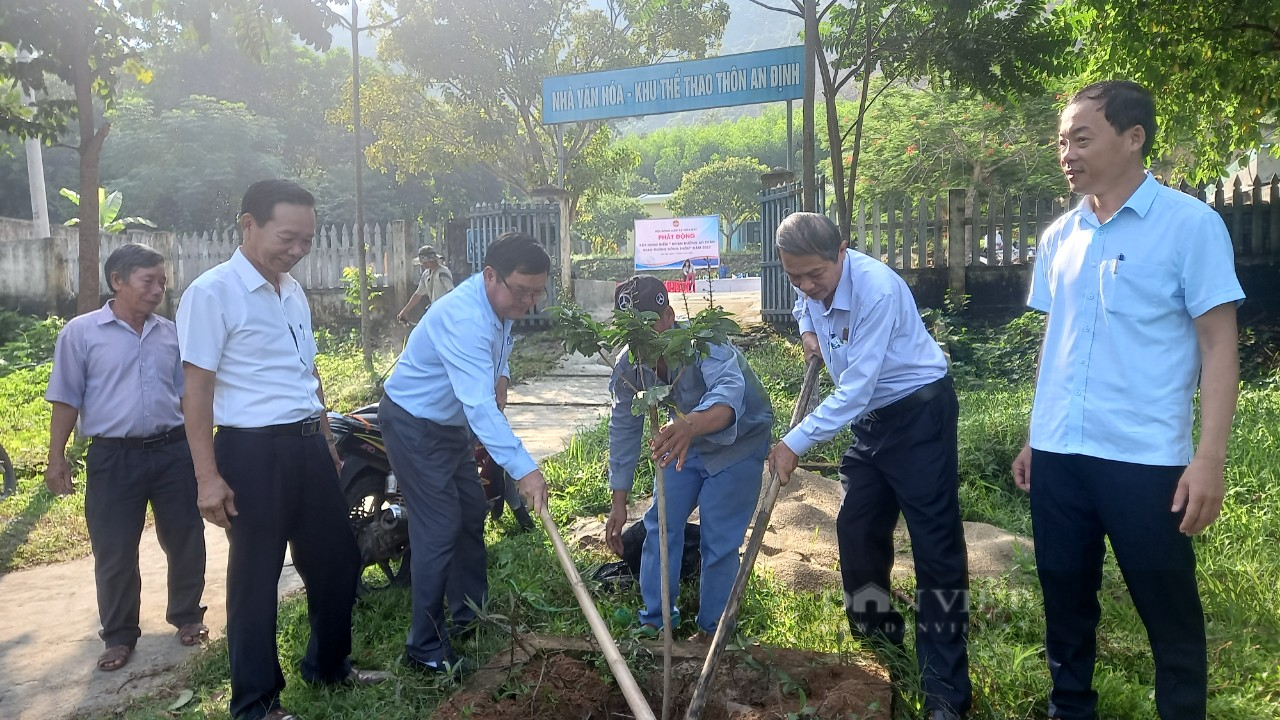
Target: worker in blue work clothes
[712,449]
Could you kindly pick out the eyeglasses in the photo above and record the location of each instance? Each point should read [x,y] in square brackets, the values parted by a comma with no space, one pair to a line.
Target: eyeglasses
[533,296]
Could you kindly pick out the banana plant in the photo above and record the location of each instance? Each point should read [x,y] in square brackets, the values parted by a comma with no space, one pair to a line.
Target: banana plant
[108,211]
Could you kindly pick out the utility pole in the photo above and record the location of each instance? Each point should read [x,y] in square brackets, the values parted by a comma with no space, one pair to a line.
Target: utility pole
[812,47]
[566,242]
[366,343]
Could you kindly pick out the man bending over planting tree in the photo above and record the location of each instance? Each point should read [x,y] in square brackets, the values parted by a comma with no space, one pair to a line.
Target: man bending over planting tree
[712,449]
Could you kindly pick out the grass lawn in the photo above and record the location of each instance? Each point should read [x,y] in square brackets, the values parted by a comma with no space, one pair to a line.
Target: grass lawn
[1239,568]
[38,528]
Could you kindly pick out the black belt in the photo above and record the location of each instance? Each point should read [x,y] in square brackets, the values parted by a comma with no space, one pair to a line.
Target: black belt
[310,426]
[150,442]
[921,396]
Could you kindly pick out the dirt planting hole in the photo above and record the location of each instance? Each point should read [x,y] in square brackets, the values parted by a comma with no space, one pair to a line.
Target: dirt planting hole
[572,683]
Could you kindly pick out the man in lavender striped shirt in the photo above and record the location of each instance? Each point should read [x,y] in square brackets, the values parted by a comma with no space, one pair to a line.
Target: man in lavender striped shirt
[117,370]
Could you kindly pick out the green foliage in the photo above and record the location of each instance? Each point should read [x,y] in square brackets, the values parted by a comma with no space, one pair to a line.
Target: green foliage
[728,188]
[154,152]
[920,141]
[667,154]
[987,354]
[26,341]
[606,220]
[109,220]
[470,90]
[997,48]
[1214,69]
[678,347]
[351,290]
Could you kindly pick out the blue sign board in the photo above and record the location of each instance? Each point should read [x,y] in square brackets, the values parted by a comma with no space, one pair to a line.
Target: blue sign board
[742,79]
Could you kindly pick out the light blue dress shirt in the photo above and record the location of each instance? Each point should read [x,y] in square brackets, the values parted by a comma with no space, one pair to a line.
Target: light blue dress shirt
[124,384]
[721,378]
[874,344]
[1121,361]
[450,366]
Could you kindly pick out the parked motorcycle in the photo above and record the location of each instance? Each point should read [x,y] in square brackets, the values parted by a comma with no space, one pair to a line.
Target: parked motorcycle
[376,507]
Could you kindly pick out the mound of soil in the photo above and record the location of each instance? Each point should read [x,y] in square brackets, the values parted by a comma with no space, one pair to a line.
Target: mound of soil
[764,683]
[800,546]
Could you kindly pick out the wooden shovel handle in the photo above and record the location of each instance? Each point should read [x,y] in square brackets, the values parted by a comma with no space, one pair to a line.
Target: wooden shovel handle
[617,665]
[765,511]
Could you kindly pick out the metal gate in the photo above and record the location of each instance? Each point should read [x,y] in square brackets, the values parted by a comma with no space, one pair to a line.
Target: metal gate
[777,296]
[539,220]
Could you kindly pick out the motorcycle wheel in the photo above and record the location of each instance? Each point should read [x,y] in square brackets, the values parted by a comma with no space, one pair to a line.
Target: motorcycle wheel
[366,497]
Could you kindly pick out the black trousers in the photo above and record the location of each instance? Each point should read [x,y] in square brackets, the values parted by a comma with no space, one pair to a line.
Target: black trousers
[286,491]
[120,484]
[1076,500]
[908,464]
[436,467]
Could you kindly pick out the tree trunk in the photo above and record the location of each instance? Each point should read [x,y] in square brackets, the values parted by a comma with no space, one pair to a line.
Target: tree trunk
[90,151]
[809,193]
[836,147]
[852,179]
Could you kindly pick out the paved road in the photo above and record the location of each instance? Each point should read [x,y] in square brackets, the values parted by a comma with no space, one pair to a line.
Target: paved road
[49,617]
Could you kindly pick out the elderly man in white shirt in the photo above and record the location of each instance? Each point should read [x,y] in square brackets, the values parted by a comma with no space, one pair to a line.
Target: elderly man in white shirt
[268,477]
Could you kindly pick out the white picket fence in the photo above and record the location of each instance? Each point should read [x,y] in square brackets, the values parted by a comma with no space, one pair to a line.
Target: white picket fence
[334,249]
[36,271]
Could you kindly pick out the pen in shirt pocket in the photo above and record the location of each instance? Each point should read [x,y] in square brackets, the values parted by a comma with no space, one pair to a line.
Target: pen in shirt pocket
[1115,267]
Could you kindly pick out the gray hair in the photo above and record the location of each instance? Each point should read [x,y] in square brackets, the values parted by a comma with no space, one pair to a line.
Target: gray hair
[806,233]
[126,259]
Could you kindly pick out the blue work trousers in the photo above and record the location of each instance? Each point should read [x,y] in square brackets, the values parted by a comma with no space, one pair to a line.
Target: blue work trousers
[725,501]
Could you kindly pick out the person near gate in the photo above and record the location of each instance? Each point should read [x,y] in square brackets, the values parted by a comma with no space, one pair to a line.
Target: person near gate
[1139,287]
[892,386]
[270,475]
[118,372]
[436,280]
[712,448]
[449,388]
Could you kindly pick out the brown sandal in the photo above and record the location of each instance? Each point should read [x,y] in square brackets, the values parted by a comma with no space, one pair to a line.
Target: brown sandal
[116,657]
[193,634]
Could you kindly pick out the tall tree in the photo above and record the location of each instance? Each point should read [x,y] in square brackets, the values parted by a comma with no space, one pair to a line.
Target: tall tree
[1213,65]
[668,153]
[471,86]
[996,47]
[726,187]
[183,168]
[920,141]
[90,45]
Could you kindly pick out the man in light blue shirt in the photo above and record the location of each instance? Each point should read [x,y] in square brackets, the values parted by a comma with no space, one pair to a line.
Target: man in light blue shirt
[892,386]
[711,448]
[1140,290]
[448,388]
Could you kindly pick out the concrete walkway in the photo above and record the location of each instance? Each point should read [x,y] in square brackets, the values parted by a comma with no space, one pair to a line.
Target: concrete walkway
[49,617]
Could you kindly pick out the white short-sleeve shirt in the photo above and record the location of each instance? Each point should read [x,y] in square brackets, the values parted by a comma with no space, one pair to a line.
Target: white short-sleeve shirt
[232,322]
